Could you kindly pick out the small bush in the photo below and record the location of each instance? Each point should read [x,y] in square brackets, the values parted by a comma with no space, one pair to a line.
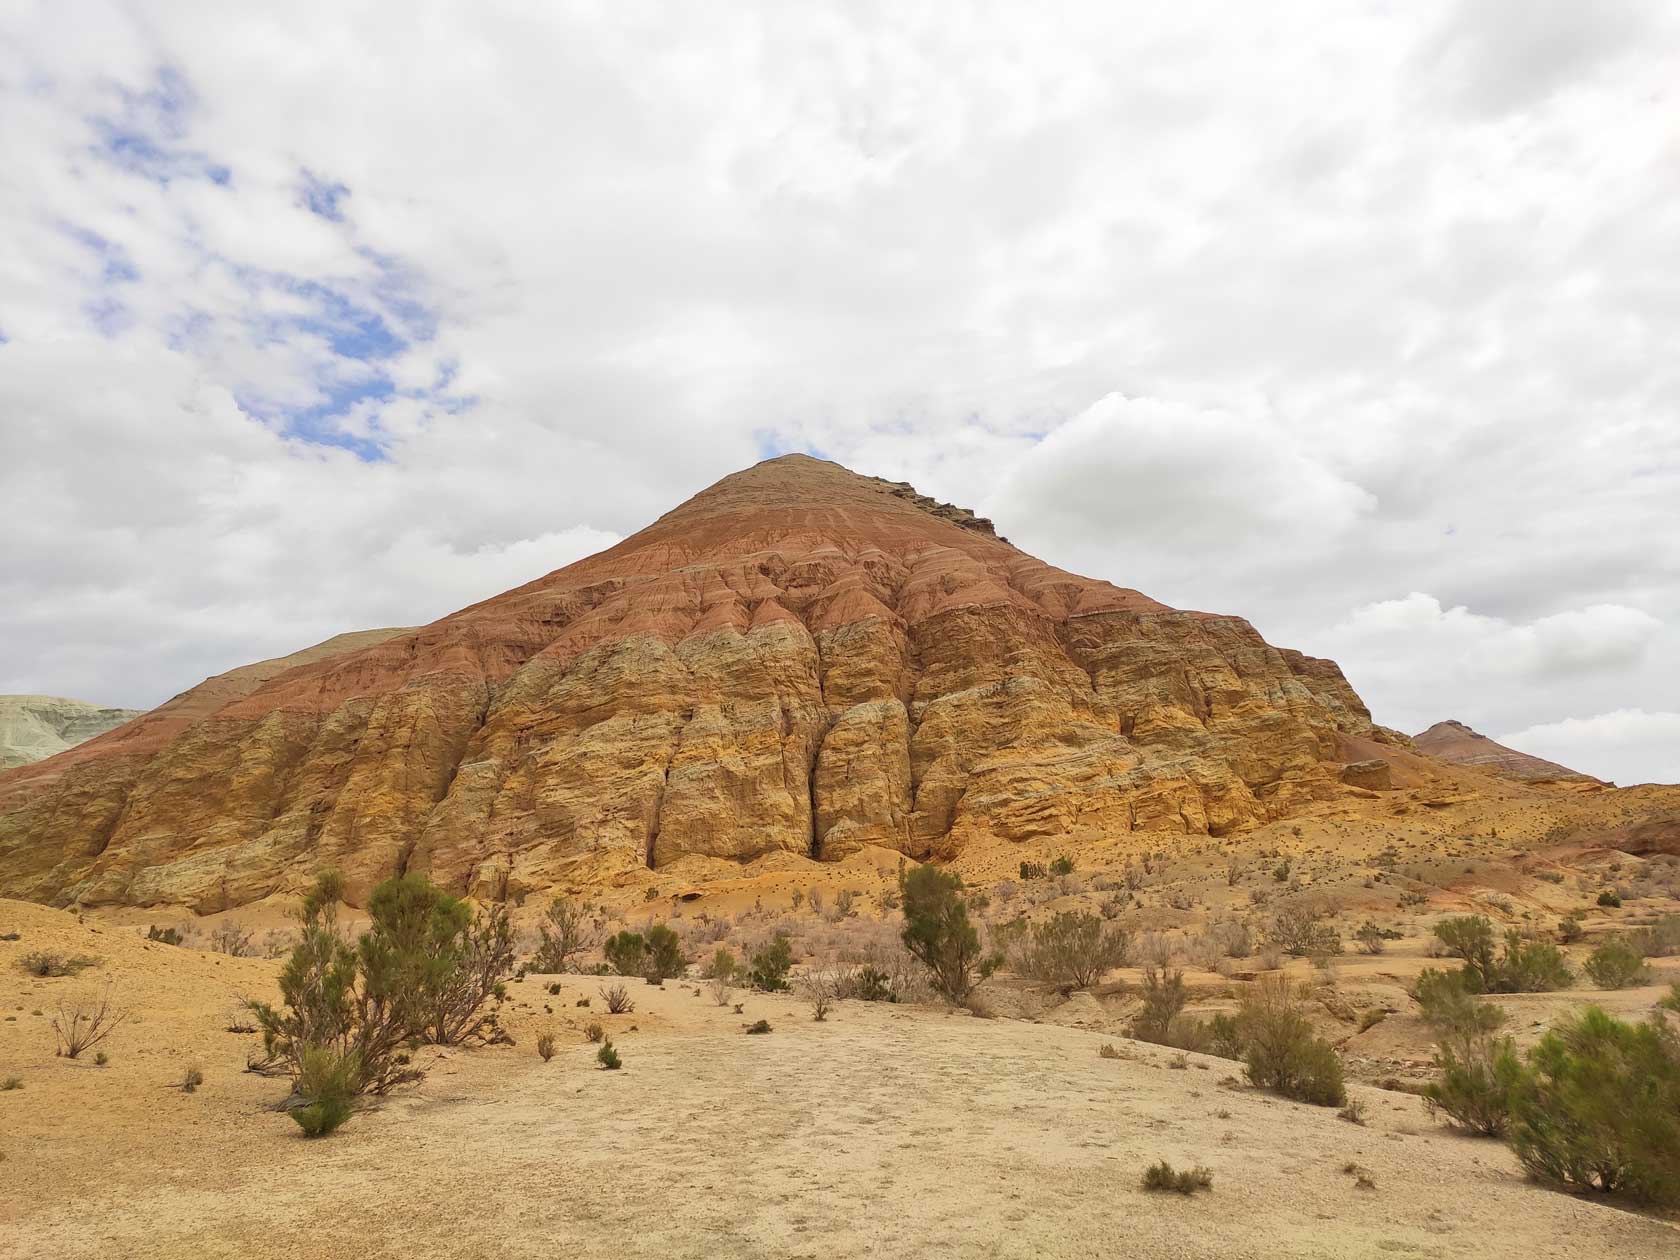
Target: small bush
[82,1023]
[1164,996]
[1063,865]
[233,939]
[937,931]
[1071,950]
[11,1083]
[1353,1113]
[770,965]
[1531,967]
[1302,927]
[1616,965]
[594,1032]
[722,967]
[1609,898]
[608,1057]
[1032,870]
[42,964]
[758,1026]
[563,934]
[1470,937]
[1660,940]
[192,1079]
[1599,1108]
[329,1082]
[664,957]
[100,1059]
[1570,929]
[1163,1177]
[166,936]
[618,999]
[1671,1002]
[1281,1053]
[1370,937]
[545,1046]
[626,953]
[1107,1051]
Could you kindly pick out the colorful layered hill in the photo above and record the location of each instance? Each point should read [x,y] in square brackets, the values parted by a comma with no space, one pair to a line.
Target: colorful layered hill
[33,728]
[1457,743]
[798,660]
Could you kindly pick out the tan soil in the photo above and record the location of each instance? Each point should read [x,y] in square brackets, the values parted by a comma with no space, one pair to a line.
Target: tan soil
[885,1131]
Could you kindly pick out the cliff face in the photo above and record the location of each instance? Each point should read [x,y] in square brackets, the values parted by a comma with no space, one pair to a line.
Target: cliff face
[1457,743]
[33,728]
[797,660]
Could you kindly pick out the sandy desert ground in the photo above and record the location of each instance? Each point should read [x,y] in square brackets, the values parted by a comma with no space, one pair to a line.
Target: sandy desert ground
[882,1131]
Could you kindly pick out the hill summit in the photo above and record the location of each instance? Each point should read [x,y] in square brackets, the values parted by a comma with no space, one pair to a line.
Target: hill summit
[1455,742]
[797,661]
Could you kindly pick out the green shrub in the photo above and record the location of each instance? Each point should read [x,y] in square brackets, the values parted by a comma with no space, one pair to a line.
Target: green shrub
[1032,870]
[1063,865]
[1470,937]
[626,953]
[1071,950]
[758,1027]
[1370,937]
[1531,967]
[1164,996]
[1600,1108]
[329,1082]
[1570,929]
[166,936]
[423,971]
[1609,897]
[871,984]
[770,965]
[938,933]
[1448,999]
[722,967]
[1672,1001]
[1616,965]
[1477,1074]
[1280,1050]
[1163,1177]
[608,1057]
[664,954]
[11,1083]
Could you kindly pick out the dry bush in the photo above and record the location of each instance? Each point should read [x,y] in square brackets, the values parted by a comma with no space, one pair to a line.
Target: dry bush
[594,1032]
[1280,1050]
[1302,926]
[545,1046]
[82,1023]
[1163,1177]
[822,987]
[42,964]
[564,933]
[1164,996]
[234,939]
[723,993]
[1070,950]
[618,999]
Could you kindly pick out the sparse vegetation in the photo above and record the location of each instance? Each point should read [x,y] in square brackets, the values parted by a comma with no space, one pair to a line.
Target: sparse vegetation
[1071,950]
[1164,997]
[82,1023]
[1302,927]
[618,999]
[664,956]
[626,953]
[562,936]
[608,1057]
[1162,1176]
[758,1027]
[1370,937]
[165,936]
[1280,1050]
[1610,898]
[770,965]
[594,1032]
[233,939]
[192,1079]
[43,964]
[1616,965]
[546,1046]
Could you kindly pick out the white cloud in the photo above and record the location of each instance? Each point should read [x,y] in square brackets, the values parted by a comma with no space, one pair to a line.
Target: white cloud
[1628,745]
[1284,311]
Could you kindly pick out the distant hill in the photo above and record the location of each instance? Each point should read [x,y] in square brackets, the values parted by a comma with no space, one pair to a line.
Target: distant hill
[33,728]
[1457,743]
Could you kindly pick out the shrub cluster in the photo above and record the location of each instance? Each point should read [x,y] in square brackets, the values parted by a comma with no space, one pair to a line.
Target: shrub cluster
[424,971]
[1069,950]
[1522,967]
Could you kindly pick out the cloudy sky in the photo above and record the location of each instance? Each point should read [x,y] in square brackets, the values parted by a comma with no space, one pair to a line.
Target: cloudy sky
[1359,319]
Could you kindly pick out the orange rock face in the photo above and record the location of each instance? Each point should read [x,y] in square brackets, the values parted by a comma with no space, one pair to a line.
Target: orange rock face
[798,660]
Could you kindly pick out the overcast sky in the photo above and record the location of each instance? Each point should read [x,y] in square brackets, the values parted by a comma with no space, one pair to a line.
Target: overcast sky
[1361,320]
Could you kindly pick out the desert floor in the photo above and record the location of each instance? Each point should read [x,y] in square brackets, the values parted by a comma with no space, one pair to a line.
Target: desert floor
[881,1131]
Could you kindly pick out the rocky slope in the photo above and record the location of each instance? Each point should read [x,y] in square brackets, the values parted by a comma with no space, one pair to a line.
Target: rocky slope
[33,728]
[797,661]
[1455,742]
